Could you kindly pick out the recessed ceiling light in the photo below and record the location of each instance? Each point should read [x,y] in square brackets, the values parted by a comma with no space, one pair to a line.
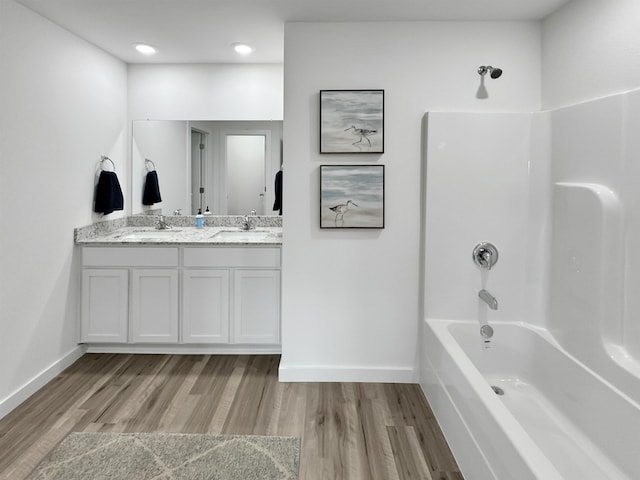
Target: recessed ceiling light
[145,49]
[242,48]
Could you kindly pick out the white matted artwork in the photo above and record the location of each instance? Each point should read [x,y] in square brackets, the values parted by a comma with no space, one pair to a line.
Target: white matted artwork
[352,121]
[351,196]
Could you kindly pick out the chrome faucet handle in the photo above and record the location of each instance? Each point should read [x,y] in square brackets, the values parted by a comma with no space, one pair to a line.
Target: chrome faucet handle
[485,258]
[177,211]
[485,255]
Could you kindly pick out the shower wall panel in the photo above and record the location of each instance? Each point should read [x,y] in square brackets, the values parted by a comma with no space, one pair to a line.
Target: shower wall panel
[482,174]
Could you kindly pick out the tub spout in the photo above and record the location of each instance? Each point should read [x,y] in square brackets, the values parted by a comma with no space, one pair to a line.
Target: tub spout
[489,299]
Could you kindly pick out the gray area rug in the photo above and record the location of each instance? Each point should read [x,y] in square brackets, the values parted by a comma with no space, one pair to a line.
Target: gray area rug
[169,456]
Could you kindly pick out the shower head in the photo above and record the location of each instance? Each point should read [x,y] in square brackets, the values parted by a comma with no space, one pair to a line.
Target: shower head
[494,72]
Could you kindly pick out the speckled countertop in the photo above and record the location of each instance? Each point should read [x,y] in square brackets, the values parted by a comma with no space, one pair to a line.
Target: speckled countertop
[188,236]
[217,231]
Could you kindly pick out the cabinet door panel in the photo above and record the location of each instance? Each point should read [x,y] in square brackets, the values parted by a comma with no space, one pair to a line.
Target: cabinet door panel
[104,306]
[154,306]
[256,306]
[205,306]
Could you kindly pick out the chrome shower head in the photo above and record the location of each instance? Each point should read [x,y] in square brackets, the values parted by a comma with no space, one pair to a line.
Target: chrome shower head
[494,72]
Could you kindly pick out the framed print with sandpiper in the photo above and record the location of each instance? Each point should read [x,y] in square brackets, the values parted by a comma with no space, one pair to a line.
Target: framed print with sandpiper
[351,196]
[351,121]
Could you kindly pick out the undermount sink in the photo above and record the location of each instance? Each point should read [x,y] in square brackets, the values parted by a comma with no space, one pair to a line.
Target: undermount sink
[241,235]
[148,234]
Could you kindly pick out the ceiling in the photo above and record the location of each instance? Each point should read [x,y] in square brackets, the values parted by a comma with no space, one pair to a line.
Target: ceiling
[201,31]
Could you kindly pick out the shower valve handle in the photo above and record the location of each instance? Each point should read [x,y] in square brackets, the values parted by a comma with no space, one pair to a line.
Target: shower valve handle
[485,255]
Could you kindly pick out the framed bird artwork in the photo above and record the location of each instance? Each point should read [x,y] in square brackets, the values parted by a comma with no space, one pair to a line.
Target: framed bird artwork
[351,196]
[351,121]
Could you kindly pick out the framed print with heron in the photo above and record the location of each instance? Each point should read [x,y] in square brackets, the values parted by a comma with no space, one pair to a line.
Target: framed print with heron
[351,196]
[351,121]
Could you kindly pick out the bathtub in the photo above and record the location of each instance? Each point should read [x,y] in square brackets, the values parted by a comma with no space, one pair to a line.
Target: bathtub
[555,420]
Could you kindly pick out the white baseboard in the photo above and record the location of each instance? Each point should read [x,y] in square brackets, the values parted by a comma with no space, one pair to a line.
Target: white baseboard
[296,373]
[184,349]
[39,381]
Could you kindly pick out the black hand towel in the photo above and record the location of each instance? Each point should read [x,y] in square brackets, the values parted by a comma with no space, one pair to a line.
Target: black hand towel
[151,192]
[277,205]
[108,193]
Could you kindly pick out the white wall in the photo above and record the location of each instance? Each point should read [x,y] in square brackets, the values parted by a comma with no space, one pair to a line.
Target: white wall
[205,92]
[62,104]
[590,50]
[350,305]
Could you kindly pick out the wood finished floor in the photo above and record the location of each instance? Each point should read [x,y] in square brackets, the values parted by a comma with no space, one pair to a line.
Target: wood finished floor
[349,431]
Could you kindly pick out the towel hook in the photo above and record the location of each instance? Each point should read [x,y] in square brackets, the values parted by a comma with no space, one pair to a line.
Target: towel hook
[104,158]
[148,161]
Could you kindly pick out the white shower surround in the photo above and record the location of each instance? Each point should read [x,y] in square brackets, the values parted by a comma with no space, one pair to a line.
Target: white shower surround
[555,192]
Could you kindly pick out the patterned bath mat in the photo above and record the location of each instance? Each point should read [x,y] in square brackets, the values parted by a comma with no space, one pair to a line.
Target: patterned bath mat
[169,456]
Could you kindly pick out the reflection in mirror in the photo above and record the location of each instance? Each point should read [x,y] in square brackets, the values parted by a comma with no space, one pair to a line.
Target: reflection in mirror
[246,182]
[229,167]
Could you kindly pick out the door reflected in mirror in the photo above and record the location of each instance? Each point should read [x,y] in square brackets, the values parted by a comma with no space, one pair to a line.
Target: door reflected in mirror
[246,172]
[228,167]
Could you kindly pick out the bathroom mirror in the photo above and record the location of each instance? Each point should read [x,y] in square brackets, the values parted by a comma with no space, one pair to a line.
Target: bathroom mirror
[228,166]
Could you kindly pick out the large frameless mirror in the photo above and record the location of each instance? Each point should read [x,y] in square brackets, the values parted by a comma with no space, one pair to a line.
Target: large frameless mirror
[228,167]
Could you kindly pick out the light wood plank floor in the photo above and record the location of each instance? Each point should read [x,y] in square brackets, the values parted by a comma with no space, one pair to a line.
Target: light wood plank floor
[349,431]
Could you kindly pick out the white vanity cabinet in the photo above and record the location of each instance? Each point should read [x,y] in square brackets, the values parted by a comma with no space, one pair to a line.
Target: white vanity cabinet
[129,294]
[182,297]
[248,296]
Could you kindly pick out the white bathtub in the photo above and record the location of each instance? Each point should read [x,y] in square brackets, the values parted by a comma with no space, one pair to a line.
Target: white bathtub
[556,419]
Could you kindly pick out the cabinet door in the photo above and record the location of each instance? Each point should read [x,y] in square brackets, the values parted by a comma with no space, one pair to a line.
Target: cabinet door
[104,305]
[205,306]
[154,306]
[256,306]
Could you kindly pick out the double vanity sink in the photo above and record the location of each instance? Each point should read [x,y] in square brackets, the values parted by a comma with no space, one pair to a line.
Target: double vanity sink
[214,289]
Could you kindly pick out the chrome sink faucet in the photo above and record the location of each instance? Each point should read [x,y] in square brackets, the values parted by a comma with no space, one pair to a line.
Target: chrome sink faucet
[246,225]
[161,224]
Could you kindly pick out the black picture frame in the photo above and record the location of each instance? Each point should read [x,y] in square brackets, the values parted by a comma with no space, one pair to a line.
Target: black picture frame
[352,196]
[352,121]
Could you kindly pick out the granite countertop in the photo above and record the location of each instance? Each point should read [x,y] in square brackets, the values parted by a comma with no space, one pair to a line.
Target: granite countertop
[223,235]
